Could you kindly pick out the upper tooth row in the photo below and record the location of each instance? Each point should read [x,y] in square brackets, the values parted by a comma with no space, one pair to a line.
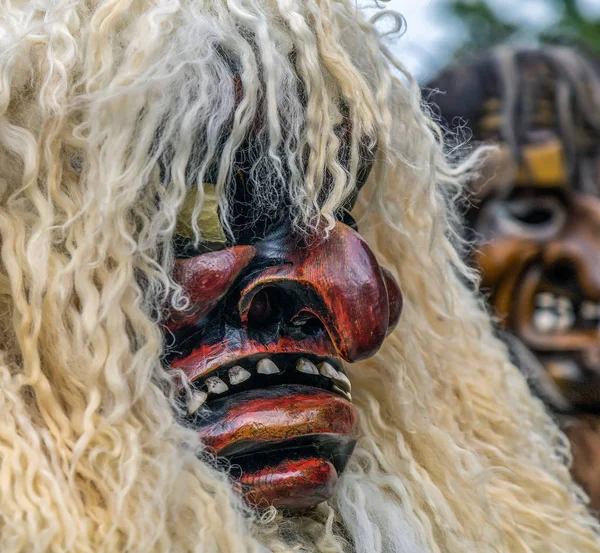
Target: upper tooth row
[238,374]
[556,313]
[546,299]
[590,310]
[562,304]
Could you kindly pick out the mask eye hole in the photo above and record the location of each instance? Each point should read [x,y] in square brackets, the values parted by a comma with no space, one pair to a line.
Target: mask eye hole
[534,214]
[530,213]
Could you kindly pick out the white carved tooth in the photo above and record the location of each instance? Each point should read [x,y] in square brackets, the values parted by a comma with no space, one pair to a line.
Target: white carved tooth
[545,320]
[545,299]
[305,366]
[238,374]
[589,310]
[196,401]
[564,304]
[327,370]
[342,380]
[566,317]
[342,392]
[565,321]
[215,385]
[266,366]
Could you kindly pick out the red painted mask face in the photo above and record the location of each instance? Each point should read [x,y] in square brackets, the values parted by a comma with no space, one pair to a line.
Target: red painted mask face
[272,320]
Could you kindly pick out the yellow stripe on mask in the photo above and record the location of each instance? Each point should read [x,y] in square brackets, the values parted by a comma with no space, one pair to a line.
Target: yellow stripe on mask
[208,219]
[543,165]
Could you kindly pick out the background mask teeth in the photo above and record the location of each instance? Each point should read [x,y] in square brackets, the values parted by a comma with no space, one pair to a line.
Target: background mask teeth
[545,320]
[545,299]
[590,310]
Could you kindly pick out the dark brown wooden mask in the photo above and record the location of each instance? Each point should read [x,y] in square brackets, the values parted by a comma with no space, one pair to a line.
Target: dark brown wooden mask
[272,318]
[535,222]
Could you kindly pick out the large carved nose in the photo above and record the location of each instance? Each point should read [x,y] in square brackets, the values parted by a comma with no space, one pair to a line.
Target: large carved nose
[336,286]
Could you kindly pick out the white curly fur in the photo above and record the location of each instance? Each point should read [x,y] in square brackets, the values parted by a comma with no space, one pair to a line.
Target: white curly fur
[454,454]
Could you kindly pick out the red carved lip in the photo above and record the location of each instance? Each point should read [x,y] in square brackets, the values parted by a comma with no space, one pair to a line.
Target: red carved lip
[288,434]
[242,423]
[300,483]
[207,359]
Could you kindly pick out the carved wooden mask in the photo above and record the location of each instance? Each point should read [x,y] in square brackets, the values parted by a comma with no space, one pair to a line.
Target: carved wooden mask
[535,221]
[273,317]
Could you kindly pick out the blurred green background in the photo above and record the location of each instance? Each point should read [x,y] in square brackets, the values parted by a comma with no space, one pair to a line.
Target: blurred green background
[489,24]
[439,30]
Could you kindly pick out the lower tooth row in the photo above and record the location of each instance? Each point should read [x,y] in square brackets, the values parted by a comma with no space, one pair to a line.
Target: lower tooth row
[238,374]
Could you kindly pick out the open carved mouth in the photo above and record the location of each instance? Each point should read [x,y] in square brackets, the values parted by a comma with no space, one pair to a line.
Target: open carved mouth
[262,371]
[285,423]
[555,310]
[559,319]
[559,312]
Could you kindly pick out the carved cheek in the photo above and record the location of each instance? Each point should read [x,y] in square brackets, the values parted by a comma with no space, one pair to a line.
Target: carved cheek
[206,279]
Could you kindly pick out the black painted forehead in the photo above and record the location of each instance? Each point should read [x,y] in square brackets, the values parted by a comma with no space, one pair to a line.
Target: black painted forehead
[525,97]
[261,179]
[254,172]
[459,92]
[259,198]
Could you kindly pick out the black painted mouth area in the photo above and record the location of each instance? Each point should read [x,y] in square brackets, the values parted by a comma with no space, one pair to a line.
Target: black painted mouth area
[560,301]
[288,374]
[334,448]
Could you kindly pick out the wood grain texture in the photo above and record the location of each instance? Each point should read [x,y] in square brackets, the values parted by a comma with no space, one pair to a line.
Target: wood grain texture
[545,239]
[338,282]
[294,484]
[206,279]
[275,414]
[584,435]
